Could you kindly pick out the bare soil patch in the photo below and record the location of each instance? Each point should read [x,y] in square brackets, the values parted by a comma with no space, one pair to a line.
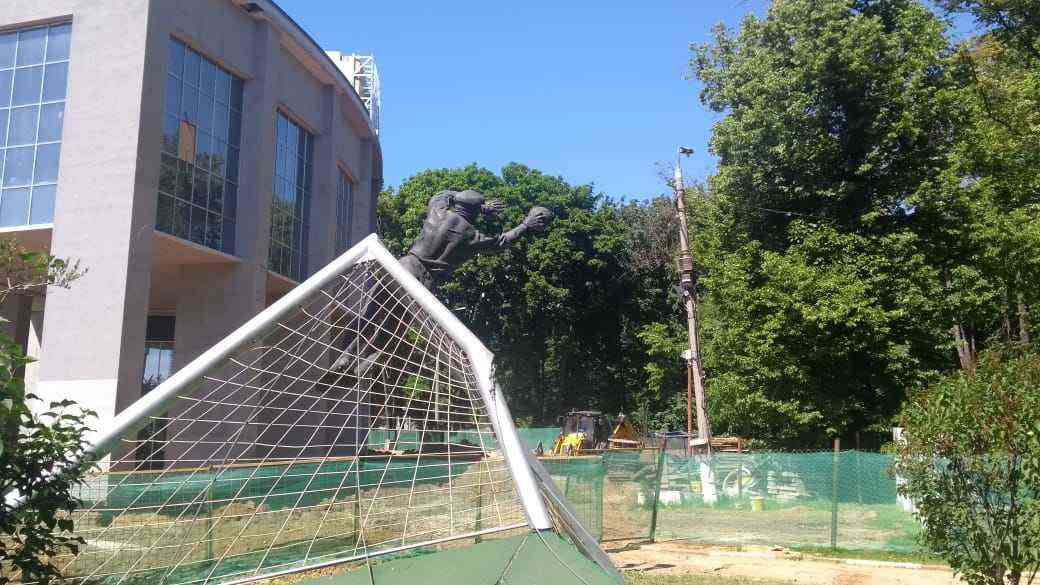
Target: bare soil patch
[677,558]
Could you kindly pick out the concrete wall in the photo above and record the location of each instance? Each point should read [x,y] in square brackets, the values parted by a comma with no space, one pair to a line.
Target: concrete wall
[106,203]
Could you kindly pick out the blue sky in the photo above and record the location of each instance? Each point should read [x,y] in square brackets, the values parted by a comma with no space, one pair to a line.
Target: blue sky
[595,92]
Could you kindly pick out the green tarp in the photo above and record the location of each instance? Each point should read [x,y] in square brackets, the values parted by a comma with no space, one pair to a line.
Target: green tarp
[274,486]
[527,559]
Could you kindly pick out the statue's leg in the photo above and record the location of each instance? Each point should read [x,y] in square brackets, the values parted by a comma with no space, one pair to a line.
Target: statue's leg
[415,267]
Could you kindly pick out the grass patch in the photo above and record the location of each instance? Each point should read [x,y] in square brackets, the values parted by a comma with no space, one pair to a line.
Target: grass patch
[922,557]
[645,579]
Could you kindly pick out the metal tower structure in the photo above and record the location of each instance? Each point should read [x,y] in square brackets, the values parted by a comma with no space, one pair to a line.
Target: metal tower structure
[362,72]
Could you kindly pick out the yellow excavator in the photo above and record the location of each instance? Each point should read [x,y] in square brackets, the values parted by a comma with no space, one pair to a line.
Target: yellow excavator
[590,430]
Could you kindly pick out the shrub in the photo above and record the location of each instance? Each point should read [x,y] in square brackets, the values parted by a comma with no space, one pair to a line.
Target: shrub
[35,440]
[971,461]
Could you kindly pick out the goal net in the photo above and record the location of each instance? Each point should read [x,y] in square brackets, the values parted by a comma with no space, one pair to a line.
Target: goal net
[354,420]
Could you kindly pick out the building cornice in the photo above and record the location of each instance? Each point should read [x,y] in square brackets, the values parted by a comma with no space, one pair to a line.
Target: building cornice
[307,50]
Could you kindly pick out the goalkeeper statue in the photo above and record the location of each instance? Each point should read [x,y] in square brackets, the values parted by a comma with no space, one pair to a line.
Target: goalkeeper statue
[448,237]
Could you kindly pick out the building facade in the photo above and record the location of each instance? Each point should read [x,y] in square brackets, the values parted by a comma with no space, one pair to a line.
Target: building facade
[198,158]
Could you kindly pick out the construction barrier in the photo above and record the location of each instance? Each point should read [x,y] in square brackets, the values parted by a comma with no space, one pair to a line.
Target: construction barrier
[808,500]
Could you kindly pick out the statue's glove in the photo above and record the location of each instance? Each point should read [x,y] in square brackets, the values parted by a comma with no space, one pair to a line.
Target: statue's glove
[492,207]
[538,219]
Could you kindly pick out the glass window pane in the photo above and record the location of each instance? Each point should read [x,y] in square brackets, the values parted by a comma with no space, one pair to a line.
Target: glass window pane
[58,42]
[232,164]
[30,46]
[171,135]
[200,193]
[55,81]
[214,230]
[23,125]
[230,199]
[176,59]
[228,237]
[47,163]
[14,207]
[192,61]
[8,42]
[168,176]
[27,85]
[52,117]
[205,113]
[181,218]
[5,87]
[173,95]
[42,210]
[220,121]
[189,104]
[222,86]
[235,129]
[207,73]
[186,139]
[216,194]
[219,162]
[202,151]
[18,166]
[164,214]
[236,93]
[184,180]
[3,127]
[198,225]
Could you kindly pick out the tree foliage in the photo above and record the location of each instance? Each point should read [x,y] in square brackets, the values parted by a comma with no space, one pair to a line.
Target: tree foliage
[556,309]
[821,307]
[38,438]
[873,225]
[971,464]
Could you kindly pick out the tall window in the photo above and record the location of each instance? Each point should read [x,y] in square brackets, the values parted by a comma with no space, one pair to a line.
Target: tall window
[344,204]
[292,198]
[34,71]
[202,132]
[158,365]
[158,352]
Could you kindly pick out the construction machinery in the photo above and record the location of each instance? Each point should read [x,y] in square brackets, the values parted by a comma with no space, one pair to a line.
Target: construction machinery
[590,430]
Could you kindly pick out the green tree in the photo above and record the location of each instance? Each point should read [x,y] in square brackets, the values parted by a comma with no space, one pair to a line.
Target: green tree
[971,464]
[37,439]
[1015,23]
[553,308]
[822,308]
[986,204]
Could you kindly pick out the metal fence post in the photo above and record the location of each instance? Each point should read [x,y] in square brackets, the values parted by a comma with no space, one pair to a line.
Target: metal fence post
[657,490]
[834,494]
[480,510]
[357,512]
[209,513]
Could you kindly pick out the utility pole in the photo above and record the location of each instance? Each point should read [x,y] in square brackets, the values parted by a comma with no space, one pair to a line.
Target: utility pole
[687,284]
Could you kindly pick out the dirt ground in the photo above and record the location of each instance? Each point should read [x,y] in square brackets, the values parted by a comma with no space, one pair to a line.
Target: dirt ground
[678,558]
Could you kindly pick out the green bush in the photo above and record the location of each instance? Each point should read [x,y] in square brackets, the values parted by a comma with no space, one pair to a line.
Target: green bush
[971,465]
[36,439]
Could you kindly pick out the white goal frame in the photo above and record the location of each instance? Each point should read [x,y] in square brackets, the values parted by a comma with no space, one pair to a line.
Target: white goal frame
[134,417]
[544,508]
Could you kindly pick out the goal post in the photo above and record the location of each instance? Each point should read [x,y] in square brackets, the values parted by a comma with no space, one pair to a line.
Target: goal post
[354,418]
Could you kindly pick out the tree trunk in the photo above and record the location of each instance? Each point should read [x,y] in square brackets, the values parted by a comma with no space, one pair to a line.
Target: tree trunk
[1023,313]
[965,342]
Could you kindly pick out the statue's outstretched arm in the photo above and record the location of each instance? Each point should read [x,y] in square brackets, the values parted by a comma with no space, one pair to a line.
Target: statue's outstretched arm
[485,243]
[537,220]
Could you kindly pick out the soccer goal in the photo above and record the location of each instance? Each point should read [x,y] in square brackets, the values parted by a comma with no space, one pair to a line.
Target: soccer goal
[353,422]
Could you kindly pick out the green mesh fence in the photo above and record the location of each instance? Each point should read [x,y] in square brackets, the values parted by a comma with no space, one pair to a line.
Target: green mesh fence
[409,440]
[278,486]
[821,499]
